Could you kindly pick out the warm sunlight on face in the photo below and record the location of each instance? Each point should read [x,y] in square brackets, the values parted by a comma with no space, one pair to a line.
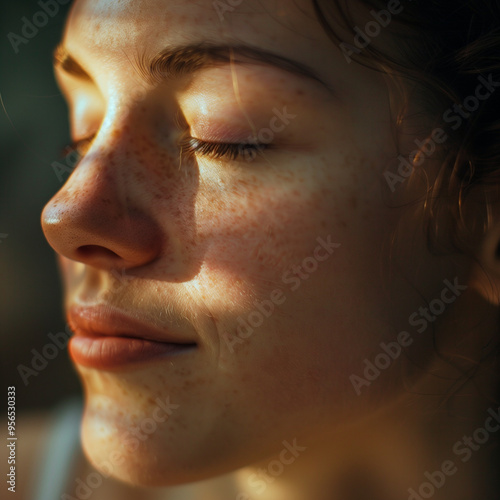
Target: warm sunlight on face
[233,200]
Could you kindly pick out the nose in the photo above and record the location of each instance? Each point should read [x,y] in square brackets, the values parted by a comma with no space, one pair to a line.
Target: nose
[99,216]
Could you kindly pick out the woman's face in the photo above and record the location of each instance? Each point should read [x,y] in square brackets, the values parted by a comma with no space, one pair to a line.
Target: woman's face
[276,264]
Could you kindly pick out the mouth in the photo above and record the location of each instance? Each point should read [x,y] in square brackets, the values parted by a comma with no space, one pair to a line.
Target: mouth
[106,338]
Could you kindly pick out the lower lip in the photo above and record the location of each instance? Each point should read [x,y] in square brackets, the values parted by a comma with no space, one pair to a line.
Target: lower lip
[108,352]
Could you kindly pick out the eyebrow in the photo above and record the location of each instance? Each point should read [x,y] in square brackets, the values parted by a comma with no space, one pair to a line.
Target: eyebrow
[176,62]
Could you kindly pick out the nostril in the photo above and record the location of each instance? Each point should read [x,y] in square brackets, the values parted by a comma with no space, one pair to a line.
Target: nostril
[86,251]
[100,234]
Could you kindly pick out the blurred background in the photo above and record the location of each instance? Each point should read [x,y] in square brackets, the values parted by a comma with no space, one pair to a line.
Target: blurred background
[34,130]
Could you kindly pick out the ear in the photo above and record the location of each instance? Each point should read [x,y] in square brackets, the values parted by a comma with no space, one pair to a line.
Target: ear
[488,260]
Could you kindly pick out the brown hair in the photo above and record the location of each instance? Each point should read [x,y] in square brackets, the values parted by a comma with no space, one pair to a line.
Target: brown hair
[443,47]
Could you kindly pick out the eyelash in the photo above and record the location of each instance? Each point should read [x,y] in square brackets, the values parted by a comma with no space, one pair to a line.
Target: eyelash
[189,146]
[217,150]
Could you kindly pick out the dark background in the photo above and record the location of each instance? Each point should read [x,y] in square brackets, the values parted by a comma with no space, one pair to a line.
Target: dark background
[31,139]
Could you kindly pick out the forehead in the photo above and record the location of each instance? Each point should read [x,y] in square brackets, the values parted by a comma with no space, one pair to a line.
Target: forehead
[119,30]
[149,19]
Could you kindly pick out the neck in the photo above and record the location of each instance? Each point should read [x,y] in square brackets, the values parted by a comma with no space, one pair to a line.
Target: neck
[434,440]
[404,452]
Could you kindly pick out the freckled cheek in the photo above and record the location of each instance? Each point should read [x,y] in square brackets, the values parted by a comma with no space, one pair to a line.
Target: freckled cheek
[252,237]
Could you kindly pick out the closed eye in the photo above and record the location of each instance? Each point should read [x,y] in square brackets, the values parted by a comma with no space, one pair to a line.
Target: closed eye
[218,150]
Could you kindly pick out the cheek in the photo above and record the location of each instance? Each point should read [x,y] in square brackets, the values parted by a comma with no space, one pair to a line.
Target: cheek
[253,228]
[261,235]
[262,238]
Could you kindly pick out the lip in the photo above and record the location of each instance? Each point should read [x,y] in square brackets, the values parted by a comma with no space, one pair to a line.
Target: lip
[106,338]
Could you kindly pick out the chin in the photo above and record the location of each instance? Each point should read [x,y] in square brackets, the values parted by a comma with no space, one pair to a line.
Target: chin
[139,446]
[127,437]
[148,463]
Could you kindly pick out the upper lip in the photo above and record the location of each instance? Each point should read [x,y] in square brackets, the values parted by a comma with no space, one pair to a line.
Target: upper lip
[108,320]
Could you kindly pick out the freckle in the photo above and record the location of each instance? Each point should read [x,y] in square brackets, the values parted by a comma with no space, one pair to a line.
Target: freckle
[353,202]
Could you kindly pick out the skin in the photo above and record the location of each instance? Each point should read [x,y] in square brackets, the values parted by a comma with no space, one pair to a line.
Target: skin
[199,244]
